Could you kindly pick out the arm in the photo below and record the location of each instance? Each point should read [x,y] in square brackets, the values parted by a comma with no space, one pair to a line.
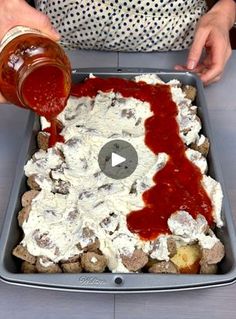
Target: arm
[18,12]
[212,34]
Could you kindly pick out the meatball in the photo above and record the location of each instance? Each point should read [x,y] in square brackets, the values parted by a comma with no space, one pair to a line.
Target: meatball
[163,267]
[28,196]
[43,140]
[171,245]
[202,148]
[28,268]
[136,261]
[89,241]
[21,252]
[190,92]
[74,267]
[92,262]
[208,269]
[51,268]
[31,182]
[213,255]
[23,215]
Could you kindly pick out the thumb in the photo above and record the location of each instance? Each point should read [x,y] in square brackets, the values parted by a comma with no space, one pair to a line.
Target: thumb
[196,49]
[41,22]
[2,99]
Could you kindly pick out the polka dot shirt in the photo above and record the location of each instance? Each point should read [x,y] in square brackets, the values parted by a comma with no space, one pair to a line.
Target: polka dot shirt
[124,25]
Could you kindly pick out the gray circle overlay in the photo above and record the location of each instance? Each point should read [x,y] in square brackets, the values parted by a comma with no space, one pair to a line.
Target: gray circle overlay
[123,149]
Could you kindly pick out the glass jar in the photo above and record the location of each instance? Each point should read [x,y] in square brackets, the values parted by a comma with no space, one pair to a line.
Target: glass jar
[34,71]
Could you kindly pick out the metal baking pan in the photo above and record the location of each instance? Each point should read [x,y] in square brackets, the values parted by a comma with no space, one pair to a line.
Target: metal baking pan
[109,282]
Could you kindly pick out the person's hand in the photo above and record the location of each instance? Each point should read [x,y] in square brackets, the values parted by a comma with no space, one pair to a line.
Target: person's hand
[211,41]
[18,12]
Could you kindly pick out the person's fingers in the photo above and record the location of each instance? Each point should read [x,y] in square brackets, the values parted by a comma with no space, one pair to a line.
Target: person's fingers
[196,49]
[216,62]
[38,20]
[198,69]
[211,68]
[211,81]
[179,67]
[2,100]
[19,12]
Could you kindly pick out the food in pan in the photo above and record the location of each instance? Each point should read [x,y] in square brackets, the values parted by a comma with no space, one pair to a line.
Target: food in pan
[160,219]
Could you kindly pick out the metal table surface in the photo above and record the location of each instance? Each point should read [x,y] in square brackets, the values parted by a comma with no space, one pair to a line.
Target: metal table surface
[19,302]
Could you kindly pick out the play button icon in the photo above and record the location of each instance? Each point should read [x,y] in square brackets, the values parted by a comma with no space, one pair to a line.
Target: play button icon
[118,159]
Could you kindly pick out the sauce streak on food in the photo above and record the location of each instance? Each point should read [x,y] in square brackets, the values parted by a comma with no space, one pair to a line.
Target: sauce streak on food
[54,131]
[177,185]
[45,92]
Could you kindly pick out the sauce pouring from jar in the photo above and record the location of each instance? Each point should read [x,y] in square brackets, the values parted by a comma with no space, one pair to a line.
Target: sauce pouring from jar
[35,73]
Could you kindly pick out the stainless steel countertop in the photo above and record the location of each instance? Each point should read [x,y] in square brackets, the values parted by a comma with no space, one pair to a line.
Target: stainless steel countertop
[24,303]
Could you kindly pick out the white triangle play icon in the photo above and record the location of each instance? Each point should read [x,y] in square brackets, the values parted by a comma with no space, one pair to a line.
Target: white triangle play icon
[116,159]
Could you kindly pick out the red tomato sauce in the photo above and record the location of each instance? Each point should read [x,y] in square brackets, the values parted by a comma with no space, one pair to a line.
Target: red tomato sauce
[45,92]
[178,185]
[54,130]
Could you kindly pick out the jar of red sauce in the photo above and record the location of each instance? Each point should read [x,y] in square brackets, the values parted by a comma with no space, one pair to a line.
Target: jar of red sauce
[34,72]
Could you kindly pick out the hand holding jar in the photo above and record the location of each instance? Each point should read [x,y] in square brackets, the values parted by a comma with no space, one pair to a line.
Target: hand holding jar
[35,72]
[18,12]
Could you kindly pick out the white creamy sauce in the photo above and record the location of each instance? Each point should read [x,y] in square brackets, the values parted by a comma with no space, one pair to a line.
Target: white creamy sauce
[190,230]
[89,199]
[214,191]
[201,140]
[161,250]
[198,159]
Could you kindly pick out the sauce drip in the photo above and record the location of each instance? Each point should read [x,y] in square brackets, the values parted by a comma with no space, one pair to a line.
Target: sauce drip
[45,92]
[178,185]
[54,130]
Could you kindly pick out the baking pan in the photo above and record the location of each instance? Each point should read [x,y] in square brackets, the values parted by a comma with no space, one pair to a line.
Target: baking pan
[109,282]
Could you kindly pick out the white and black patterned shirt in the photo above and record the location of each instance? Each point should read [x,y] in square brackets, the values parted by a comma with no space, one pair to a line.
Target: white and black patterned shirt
[124,25]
